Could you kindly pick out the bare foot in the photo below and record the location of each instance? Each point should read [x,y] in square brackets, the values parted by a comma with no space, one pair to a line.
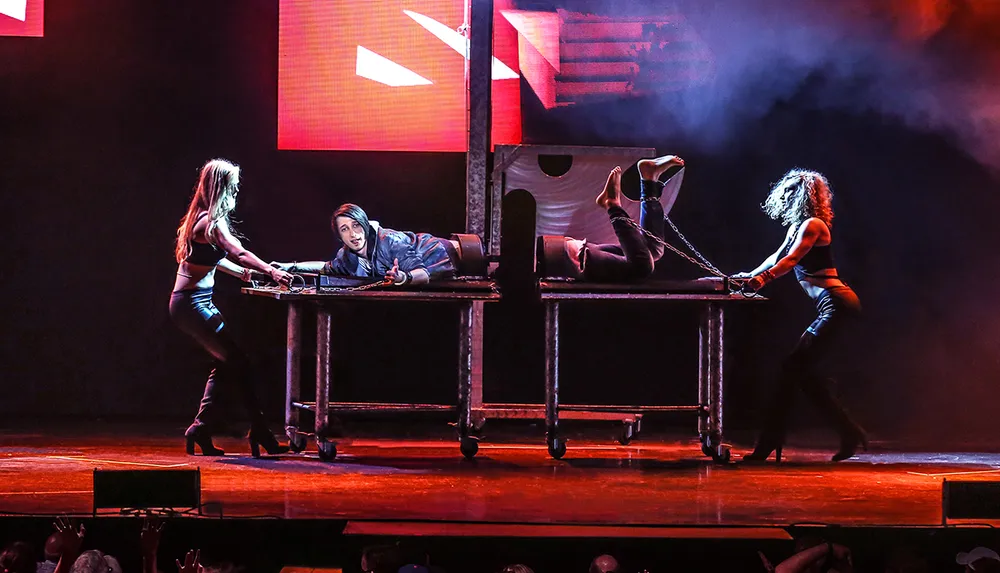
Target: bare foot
[651,169]
[611,196]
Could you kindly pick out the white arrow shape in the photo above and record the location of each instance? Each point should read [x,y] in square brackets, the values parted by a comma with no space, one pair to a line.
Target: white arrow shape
[16,9]
[459,43]
[385,71]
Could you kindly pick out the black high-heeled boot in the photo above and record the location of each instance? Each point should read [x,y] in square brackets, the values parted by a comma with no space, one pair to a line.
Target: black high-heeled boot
[199,434]
[849,443]
[261,437]
[766,444]
[852,435]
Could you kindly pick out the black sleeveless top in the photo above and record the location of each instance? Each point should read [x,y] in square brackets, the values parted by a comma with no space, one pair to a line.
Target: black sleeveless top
[204,254]
[817,259]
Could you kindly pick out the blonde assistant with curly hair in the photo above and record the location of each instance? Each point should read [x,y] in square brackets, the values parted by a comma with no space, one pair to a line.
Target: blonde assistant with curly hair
[802,200]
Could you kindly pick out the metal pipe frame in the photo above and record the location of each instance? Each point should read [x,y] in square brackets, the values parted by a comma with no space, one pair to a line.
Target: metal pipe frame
[293,373]
[323,326]
[471,409]
[715,370]
[710,378]
[479,69]
[710,372]
[465,368]
[551,370]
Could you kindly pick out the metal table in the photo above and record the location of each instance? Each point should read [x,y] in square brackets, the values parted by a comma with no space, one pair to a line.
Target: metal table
[471,296]
[710,294]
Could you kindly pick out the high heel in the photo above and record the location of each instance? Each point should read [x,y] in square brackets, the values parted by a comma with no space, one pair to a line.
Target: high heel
[763,451]
[262,437]
[199,435]
[849,445]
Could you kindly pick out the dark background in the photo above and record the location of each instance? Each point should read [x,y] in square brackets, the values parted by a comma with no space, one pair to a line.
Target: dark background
[105,121]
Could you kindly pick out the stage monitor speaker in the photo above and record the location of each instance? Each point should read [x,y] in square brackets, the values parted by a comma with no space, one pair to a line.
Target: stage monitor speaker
[970,500]
[147,489]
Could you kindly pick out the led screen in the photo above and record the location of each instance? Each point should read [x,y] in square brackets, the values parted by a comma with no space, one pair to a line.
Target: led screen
[21,18]
[385,75]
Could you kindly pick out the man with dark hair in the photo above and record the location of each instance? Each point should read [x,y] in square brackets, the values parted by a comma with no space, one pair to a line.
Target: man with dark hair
[371,250]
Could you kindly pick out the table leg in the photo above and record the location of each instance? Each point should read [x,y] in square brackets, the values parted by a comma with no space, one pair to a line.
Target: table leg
[719,451]
[557,447]
[718,369]
[476,337]
[469,445]
[327,449]
[293,374]
[703,362]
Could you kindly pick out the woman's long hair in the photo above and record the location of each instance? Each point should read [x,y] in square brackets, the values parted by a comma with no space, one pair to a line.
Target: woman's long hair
[216,192]
[799,195]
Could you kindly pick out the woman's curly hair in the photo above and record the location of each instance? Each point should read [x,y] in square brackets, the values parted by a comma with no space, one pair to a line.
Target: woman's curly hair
[799,195]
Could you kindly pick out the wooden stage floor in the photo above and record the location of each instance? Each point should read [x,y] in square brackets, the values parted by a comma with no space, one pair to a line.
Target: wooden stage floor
[651,482]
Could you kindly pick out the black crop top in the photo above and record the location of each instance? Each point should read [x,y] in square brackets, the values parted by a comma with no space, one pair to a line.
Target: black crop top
[205,254]
[817,259]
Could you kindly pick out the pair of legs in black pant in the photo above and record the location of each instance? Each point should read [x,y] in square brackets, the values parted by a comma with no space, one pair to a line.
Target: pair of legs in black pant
[836,308]
[639,247]
[196,315]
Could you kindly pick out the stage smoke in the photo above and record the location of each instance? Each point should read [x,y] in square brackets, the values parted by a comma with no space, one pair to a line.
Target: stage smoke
[930,64]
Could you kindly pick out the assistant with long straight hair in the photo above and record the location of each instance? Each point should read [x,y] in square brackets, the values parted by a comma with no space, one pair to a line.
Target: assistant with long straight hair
[803,201]
[205,242]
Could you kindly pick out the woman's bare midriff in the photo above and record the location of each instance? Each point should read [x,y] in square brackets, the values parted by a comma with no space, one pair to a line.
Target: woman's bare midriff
[815,285]
[197,276]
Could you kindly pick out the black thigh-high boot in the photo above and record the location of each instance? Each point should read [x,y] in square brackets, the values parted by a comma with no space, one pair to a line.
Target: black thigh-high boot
[778,413]
[821,392]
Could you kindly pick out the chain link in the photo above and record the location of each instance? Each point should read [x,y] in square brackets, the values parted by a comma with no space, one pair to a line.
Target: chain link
[358,288]
[293,289]
[735,285]
[706,265]
[701,257]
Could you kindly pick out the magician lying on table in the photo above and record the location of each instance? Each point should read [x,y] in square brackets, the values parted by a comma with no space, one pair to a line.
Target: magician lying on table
[373,251]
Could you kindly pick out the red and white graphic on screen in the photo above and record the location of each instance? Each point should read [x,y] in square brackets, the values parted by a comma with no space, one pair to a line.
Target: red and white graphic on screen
[386,75]
[21,18]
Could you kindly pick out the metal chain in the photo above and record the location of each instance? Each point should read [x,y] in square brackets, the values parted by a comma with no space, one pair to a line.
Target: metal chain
[735,285]
[693,250]
[707,266]
[303,288]
[358,288]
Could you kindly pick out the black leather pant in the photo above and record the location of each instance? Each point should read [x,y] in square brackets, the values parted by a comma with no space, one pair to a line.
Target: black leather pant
[195,314]
[836,308]
[635,255]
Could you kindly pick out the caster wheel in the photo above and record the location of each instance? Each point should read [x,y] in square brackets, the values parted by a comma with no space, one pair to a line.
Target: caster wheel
[297,443]
[721,454]
[557,448]
[327,450]
[469,447]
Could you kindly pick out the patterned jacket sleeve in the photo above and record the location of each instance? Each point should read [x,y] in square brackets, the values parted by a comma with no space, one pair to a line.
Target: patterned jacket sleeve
[339,265]
[401,246]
